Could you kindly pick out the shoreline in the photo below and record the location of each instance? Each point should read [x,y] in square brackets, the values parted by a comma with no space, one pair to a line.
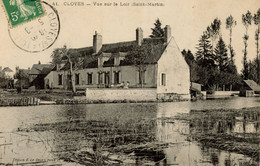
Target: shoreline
[12,98]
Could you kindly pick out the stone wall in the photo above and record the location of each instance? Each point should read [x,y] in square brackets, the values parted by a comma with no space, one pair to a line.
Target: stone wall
[222,94]
[122,94]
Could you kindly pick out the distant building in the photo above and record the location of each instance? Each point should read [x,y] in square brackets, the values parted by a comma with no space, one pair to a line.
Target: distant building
[6,73]
[249,88]
[37,74]
[6,78]
[195,89]
[102,66]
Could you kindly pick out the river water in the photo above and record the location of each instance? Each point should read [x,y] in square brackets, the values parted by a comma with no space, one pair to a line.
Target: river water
[66,134]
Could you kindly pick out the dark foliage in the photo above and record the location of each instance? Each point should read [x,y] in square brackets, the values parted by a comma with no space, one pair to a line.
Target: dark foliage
[157,31]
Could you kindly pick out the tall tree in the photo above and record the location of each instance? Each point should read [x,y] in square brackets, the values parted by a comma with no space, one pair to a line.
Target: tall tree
[230,24]
[157,31]
[204,54]
[257,32]
[214,30]
[71,57]
[221,55]
[246,20]
[222,62]
[206,62]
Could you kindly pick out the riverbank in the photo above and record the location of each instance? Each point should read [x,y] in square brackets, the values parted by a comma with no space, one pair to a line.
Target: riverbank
[12,98]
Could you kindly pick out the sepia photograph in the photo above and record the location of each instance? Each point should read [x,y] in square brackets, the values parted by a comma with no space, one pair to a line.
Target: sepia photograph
[129,82]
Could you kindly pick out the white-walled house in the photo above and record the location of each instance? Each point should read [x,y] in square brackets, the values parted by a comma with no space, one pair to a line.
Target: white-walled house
[102,66]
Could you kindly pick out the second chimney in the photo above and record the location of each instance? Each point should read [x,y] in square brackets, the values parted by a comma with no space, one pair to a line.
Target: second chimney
[97,42]
[139,36]
[167,33]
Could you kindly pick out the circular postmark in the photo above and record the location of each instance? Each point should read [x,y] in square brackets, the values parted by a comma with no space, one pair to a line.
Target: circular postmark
[38,34]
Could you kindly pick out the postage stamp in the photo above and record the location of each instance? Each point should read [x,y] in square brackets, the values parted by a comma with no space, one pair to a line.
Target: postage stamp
[21,11]
[38,34]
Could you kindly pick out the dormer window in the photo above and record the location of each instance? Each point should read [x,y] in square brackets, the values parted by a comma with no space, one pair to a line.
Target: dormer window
[102,58]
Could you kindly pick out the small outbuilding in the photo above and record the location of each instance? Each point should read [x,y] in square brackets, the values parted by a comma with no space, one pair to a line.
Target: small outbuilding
[249,88]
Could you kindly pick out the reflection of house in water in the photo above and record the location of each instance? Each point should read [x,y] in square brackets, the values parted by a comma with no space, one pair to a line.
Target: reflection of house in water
[241,127]
[231,125]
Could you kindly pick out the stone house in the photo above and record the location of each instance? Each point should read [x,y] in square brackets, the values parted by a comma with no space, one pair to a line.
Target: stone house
[105,66]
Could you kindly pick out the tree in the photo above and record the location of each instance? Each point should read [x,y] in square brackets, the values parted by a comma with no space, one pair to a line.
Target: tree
[257,32]
[214,30]
[157,31]
[205,60]
[137,56]
[23,79]
[246,20]
[221,55]
[190,59]
[71,57]
[252,69]
[204,54]
[188,56]
[227,69]
[230,24]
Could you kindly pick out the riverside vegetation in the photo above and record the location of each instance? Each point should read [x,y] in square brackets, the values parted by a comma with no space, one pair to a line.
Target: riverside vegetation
[129,137]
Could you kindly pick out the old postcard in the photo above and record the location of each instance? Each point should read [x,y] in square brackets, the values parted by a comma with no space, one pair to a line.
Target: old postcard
[129,82]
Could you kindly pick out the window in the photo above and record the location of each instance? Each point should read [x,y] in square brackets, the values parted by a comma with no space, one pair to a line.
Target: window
[100,78]
[116,78]
[60,79]
[163,79]
[89,78]
[77,79]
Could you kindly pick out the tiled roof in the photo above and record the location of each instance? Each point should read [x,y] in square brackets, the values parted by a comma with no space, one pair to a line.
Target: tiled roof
[253,85]
[40,69]
[122,48]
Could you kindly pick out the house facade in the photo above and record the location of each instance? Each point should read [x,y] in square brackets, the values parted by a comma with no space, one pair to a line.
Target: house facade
[106,66]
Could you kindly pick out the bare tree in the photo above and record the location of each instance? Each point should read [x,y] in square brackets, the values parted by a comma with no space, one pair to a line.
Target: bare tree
[257,32]
[214,31]
[71,57]
[230,24]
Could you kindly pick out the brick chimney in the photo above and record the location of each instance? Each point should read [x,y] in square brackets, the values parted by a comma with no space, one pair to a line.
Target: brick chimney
[139,36]
[167,33]
[97,42]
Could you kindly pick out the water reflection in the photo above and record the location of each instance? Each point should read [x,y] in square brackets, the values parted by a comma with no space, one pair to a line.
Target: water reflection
[134,134]
[182,152]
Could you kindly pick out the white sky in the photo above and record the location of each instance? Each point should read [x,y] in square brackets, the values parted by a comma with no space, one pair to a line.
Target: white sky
[187,18]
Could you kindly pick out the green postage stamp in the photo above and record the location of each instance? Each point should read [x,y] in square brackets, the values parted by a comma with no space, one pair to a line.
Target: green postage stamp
[21,11]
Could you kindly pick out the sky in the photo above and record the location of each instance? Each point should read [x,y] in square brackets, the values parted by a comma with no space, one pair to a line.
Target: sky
[187,18]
